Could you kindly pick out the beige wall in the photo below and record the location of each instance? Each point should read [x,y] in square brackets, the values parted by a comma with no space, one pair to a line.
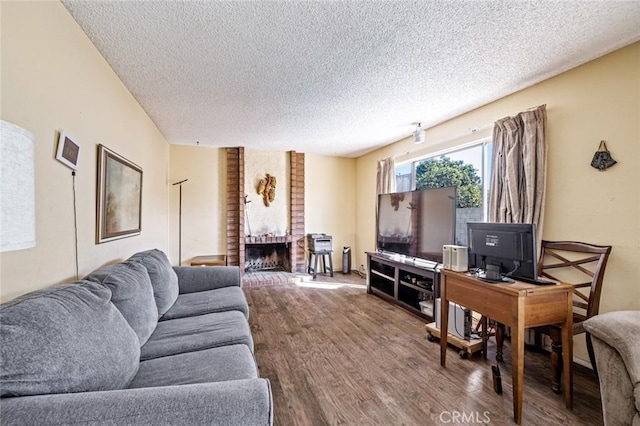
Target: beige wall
[330,208]
[53,79]
[599,100]
[203,202]
[329,198]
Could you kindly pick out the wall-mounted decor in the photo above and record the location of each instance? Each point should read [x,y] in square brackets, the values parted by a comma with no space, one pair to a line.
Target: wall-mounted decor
[17,188]
[68,151]
[602,158]
[119,203]
[267,187]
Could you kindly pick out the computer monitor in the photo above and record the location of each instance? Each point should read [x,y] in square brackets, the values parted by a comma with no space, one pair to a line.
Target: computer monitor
[503,251]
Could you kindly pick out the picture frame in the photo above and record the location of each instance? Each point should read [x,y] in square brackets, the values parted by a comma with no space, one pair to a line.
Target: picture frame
[119,197]
[68,151]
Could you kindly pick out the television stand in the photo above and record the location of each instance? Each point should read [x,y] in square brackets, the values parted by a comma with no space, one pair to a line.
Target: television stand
[405,282]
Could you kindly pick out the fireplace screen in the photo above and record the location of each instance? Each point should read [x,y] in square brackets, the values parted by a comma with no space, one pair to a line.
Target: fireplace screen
[267,257]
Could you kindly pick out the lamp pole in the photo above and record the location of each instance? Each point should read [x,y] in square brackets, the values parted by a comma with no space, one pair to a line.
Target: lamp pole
[180,222]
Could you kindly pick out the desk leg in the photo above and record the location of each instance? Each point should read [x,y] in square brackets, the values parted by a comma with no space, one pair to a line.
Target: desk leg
[517,361]
[444,323]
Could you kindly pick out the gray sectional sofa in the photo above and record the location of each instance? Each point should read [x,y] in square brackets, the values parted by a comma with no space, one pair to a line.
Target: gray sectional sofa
[139,342]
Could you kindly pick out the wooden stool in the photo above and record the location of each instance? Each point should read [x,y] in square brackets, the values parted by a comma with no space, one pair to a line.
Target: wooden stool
[316,255]
[212,260]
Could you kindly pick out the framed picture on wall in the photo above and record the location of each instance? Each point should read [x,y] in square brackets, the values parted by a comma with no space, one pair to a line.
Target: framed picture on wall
[119,203]
[68,151]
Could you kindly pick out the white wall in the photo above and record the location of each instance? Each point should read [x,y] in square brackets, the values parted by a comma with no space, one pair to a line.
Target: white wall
[53,79]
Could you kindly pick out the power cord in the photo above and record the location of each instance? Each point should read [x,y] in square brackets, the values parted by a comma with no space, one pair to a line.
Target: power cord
[75,221]
[516,263]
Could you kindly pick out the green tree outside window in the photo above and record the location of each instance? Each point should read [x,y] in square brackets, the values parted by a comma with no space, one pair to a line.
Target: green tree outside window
[441,172]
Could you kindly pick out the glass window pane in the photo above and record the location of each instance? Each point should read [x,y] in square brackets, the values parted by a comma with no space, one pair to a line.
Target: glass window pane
[464,170]
[403,177]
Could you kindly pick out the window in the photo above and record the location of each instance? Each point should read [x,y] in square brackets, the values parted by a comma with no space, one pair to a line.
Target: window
[468,169]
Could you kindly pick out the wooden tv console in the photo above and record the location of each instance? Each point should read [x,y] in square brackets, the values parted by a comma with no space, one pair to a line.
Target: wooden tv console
[402,281]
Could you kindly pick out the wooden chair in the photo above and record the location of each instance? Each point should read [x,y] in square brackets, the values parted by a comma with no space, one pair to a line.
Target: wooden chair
[569,262]
[582,265]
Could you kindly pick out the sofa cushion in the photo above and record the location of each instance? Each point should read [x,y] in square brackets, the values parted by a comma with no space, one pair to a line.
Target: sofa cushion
[132,294]
[163,278]
[193,279]
[197,333]
[207,302]
[62,339]
[220,364]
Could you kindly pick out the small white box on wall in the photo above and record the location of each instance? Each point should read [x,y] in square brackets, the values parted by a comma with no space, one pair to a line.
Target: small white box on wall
[455,258]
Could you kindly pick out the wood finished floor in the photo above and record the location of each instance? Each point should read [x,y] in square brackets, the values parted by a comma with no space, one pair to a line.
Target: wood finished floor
[338,356]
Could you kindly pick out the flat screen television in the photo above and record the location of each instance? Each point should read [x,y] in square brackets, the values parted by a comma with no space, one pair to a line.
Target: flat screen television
[503,251]
[416,224]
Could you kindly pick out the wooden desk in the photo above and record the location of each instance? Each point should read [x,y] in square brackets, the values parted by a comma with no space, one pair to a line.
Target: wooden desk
[519,306]
[212,260]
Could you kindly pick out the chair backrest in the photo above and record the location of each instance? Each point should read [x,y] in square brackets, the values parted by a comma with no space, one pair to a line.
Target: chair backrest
[587,260]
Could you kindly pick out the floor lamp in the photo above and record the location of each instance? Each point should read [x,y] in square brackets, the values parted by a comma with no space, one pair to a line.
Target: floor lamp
[180,223]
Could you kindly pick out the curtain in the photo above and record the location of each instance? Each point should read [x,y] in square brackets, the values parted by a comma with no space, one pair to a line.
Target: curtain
[519,170]
[386,179]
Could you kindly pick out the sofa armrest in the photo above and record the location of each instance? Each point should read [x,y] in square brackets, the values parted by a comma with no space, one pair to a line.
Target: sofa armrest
[616,389]
[238,402]
[192,279]
[620,330]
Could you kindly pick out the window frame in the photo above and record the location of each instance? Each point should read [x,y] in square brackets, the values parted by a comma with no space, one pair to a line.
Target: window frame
[487,149]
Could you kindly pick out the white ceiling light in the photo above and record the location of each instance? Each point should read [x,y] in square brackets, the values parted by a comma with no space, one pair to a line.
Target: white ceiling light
[418,135]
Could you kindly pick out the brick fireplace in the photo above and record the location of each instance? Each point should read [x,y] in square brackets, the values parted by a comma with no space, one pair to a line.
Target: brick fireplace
[267,252]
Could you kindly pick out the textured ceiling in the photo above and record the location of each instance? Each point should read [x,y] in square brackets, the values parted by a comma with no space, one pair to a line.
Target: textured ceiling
[338,77]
